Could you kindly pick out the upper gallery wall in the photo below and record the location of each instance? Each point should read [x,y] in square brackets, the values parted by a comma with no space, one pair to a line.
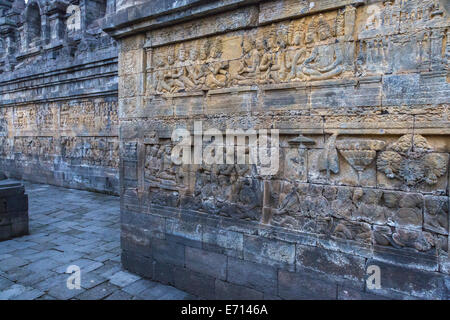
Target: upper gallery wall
[58,93]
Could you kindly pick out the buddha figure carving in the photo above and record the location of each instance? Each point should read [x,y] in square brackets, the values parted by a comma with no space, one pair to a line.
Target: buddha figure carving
[326,58]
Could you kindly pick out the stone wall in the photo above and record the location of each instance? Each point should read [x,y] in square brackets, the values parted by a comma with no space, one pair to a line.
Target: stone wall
[58,94]
[359,92]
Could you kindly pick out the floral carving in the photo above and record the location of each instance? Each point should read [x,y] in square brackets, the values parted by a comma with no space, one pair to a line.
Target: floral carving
[412,160]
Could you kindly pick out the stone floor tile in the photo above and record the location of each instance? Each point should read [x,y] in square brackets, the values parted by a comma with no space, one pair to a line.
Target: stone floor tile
[120,295]
[99,292]
[71,227]
[139,286]
[31,294]
[12,291]
[123,278]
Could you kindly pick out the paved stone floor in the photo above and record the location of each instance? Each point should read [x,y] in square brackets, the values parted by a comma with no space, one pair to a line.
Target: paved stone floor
[72,227]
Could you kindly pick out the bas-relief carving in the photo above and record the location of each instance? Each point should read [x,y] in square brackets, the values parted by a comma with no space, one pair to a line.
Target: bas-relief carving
[35,117]
[364,215]
[4,119]
[306,49]
[89,116]
[334,45]
[403,36]
[412,160]
[34,148]
[313,48]
[94,151]
[84,117]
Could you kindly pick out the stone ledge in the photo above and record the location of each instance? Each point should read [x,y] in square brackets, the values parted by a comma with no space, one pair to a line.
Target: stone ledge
[154,14]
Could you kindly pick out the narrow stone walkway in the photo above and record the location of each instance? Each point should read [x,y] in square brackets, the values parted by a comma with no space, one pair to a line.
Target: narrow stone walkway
[71,227]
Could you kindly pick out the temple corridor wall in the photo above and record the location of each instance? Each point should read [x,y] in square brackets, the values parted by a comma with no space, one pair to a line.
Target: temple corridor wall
[58,94]
[359,91]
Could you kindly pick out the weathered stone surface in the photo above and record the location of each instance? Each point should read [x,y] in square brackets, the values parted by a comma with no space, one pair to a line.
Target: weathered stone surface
[395,279]
[13,210]
[248,274]
[206,262]
[58,84]
[275,253]
[331,263]
[295,286]
[161,249]
[229,291]
[359,92]
[194,283]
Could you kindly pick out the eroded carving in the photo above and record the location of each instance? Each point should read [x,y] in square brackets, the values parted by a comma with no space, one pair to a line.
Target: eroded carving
[412,160]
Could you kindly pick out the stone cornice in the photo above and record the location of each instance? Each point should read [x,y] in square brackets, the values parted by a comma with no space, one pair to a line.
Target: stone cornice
[158,14]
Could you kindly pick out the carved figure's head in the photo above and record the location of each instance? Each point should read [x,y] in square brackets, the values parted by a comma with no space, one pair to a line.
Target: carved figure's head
[323,29]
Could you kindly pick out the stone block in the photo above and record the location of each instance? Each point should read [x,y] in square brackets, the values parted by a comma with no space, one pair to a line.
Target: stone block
[164,273]
[13,210]
[153,225]
[285,98]
[260,277]
[230,243]
[229,291]
[294,286]
[194,283]
[331,262]
[406,281]
[137,264]
[184,232]
[137,240]
[270,252]
[206,262]
[169,252]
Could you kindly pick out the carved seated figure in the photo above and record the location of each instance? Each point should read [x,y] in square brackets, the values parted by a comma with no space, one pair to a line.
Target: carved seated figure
[326,59]
[249,64]
[174,74]
[195,71]
[295,56]
[161,84]
[217,70]
[181,72]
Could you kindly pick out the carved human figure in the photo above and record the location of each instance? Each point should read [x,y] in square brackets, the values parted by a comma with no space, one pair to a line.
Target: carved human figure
[217,70]
[161,85]
[195,71]
[181,72]
[267,60]
[279,70]
[249,63]
[295,56]
[326,59]
[291,202]
[173,74]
